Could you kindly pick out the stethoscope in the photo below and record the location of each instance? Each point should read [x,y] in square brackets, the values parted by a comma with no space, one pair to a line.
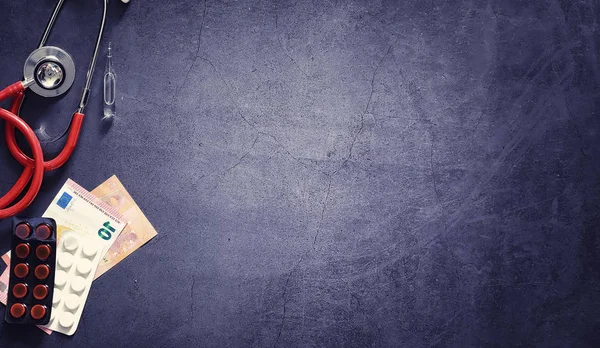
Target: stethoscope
[49,72]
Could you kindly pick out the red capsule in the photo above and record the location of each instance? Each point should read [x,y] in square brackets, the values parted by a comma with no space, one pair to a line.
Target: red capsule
[17,310]
[21,270]
[20,290]
[42,272]
[42,252]
[43,231]
[23,230]
[38,312]
[40,291]
[22,250]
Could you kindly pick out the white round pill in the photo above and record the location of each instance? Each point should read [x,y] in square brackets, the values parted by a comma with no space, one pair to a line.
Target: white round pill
[66,319]
[78,284]
[72,302]
[60,279]
[64,260]
[56,297]
[90,250]
[70,244]
[84,267]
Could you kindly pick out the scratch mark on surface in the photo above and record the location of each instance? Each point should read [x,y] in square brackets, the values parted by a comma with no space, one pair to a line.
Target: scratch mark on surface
[245,120]
[239,161]
[517,144]
[446,327]
[192,301]
[284,296]
[477,123]
[151,103]
[281,44]
[322,213]
[362,115]
[237,107]
[197,54]
[284,148]
[435,186]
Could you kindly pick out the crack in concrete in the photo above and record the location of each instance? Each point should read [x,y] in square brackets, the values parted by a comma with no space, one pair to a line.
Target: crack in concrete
[197,54]
[435,187]
[362,115]
[239,161]
[329,176]
[192,300]
[285,299]
[281,44]
[245,120]
[237,107]
[322,213]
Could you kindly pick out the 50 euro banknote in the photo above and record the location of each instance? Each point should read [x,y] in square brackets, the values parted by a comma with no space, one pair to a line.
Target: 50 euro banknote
[113,196]
[75,209]
[137,232]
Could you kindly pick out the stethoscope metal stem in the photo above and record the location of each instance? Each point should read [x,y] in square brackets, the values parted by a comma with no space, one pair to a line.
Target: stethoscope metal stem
[50,71]
[90,73]
[50,23]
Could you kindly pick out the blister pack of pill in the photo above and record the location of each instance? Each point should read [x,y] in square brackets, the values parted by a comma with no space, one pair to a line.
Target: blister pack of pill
[32,271]
[77,259]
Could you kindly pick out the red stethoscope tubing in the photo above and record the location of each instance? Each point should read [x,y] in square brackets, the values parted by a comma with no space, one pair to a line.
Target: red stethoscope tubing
[35,167]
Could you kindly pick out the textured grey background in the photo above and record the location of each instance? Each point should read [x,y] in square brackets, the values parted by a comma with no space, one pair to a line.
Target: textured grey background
[335,174]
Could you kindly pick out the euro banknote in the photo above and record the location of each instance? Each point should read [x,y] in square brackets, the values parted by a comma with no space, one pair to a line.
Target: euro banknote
[136,233]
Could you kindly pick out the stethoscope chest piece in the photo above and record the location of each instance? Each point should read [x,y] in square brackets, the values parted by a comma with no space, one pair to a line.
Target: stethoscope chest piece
[50,70]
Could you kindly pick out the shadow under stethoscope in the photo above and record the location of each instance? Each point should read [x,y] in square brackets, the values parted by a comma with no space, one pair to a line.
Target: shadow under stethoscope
[49,118]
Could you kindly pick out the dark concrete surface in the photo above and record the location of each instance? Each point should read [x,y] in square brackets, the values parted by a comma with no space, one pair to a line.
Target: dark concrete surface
[335,174]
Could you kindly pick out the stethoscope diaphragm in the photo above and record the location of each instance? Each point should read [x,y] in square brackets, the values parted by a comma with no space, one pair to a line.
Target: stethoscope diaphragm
[51,70]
